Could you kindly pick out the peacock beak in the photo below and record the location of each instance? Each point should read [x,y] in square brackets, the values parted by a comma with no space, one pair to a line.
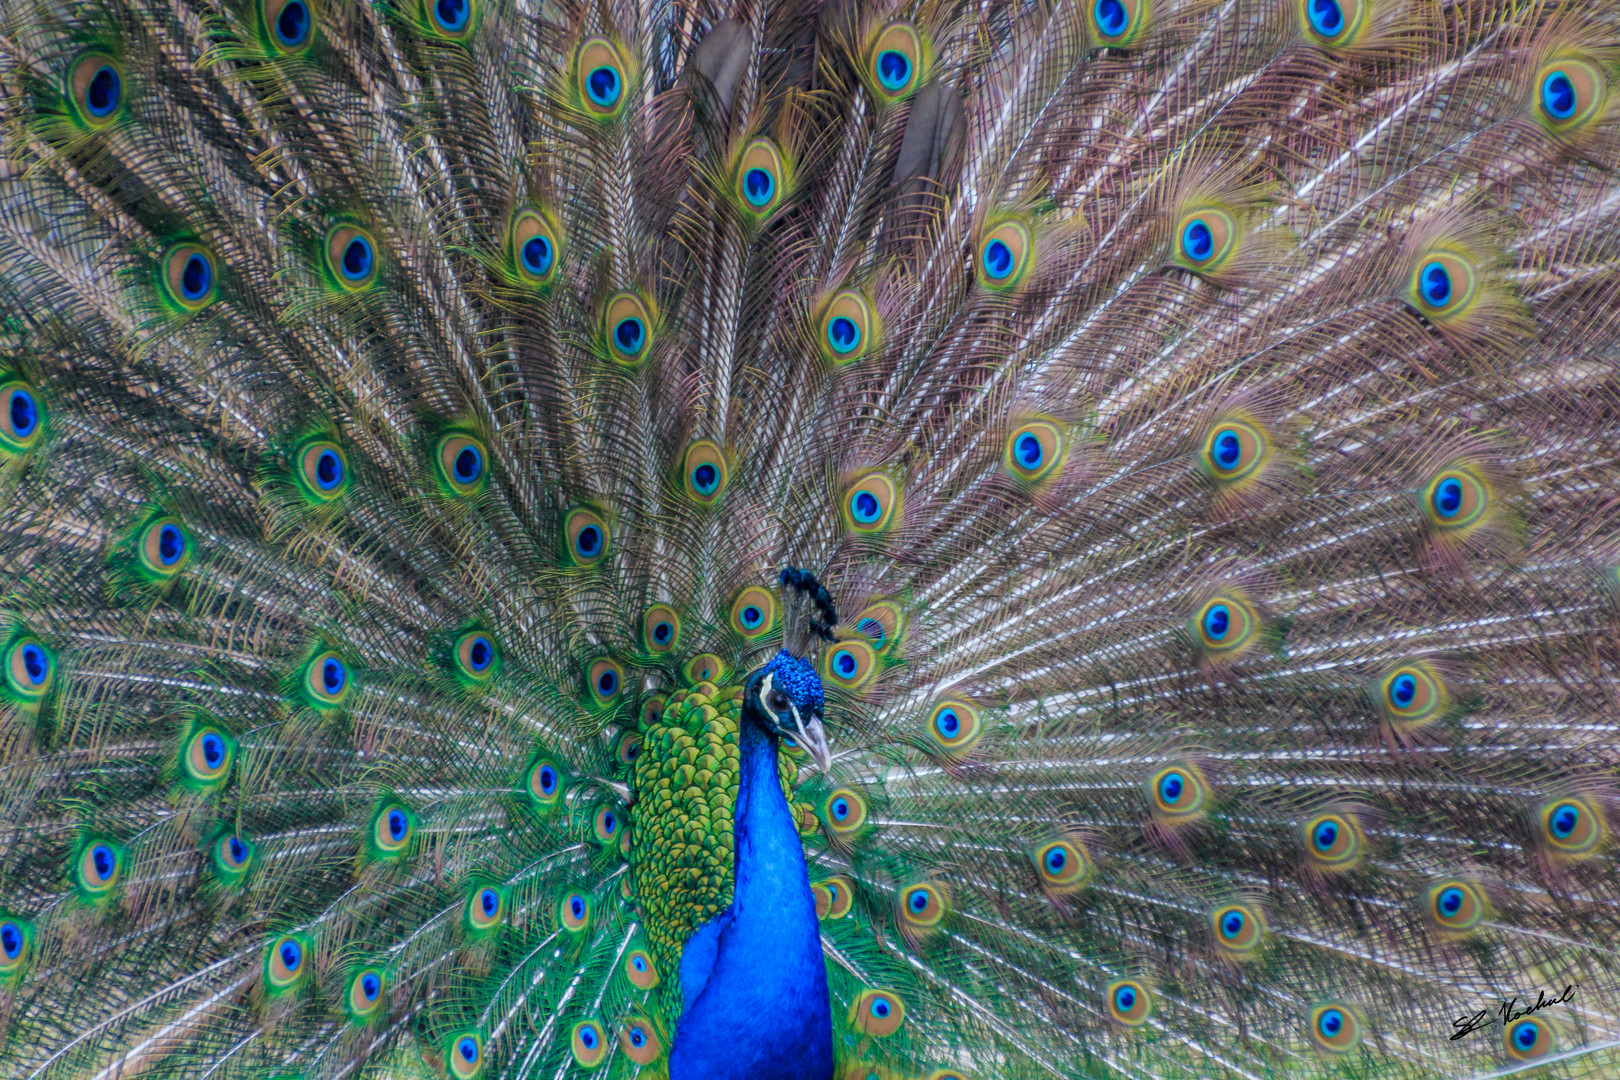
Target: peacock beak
[813,737]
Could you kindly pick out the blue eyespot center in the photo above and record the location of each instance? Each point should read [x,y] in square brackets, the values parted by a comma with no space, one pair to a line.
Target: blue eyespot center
[705,478]
[237,849]
[587,1038]
[637,1036]
[333,675]
[1403,690]
[1217,621]
[1171,787]
[101,97]
[480,654]
[1327,18]
[607,682]
[880,1008]
[292,25]
[467,1047]
[948,723]
[998,260]
[639,963]
[397,825]
[576,907]
[1330,1023]
[1448,497]
[370,986]
[196,277]
[1125,999]
[469,465]
[844,663]
[489,901]
[328,470]
[1232,924]
[918,900]
[893,69]
[102,860]
[213,748]
[24,414]
[357,258]
[1112,18]
[589,541]
[758,186]
[452,15]
[628,335]
[1564,819]
[1436,282]
[35,664]
[1558,95]
[843,334]
[1227,449]
[1526,1035]
[1450,901]
[1056,860]
[865,507]
[11,940]
[602,84]
[1028,451]
[537,255]
[840,808]
[548,779]
[752,617]
[1326,835]
[873,630]
[610,823]
[663,632]
[171,545]
[1197,241]
[291,955]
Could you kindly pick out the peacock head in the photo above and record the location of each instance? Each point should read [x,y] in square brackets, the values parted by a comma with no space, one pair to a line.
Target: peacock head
[784,698]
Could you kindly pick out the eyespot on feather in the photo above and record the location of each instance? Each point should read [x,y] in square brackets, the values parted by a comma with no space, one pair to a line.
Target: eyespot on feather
[1456,500]
[98,867]
[574,912]
[1233,451]
[164,547]
[463,463]
[287,962]
[586,536]
[322,470]
[1178,793]
[95,86]
[639,1040]
[589,1044]
[1569,93]
[477,657]
[1571,827]
[351,257]
[391,829]
[640,969]
[954,727]
[486,908]
[847,328]
[604,680]
[660,629]
[1129,1002]
[849,665]
[16,946]
[1034,451]
[536,248]
[762,178]
[232,856]
[30,669]
[1225,626]
[1411,695]
[22,419]
[627,328]
[1530,1038]
[207,756]
[704,668]
[188,279]
[1443,285]
[897,62]
[600,78]
[652,710]
[450,19]
[1062,864]
[1456,906]
[1332,23]
[606,824]
[1004,254]
[1335,1028]
[327,680]
[1117,23]
[1205,238]
[921,907]
[544,782]
[704,472]
[835,897]
[880,623]
[844,811]
[1334,841]
[627,748]
[1238,929]
[364,999]
[464,1055]
[289,25]
[753,612]
[878,1013]
[870,504]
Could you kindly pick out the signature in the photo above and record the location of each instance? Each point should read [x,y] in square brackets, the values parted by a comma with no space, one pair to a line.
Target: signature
[1484,1019]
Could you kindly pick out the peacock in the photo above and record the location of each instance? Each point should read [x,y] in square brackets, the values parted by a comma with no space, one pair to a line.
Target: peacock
[809,539]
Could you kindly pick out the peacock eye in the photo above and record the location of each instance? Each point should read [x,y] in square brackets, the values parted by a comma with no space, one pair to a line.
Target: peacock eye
[777,701]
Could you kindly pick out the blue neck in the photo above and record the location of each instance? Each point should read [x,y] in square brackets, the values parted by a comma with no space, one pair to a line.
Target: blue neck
[762,1011]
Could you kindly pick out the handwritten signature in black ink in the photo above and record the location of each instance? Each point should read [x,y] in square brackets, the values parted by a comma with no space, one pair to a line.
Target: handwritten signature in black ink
[1484,1019]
